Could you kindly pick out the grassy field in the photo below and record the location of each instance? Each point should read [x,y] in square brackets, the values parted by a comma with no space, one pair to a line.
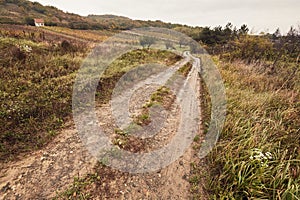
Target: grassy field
[37,76]
[91,35]
[35,90]
[258,155]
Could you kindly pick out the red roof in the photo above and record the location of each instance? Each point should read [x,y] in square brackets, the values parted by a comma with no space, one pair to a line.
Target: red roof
[38,20]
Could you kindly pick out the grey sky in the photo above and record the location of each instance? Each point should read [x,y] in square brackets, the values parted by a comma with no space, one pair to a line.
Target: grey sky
[259,15]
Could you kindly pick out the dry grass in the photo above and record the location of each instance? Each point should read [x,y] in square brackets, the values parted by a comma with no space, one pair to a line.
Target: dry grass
[35,90]
[258,155]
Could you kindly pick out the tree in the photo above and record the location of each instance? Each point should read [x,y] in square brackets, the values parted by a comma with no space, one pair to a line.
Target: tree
[182,42]
[235,32]
[29,21]
[243,30]
[207,36]
[277,33]
[292,32]
[228,31]
[147,41]
[292,43]
[169,45]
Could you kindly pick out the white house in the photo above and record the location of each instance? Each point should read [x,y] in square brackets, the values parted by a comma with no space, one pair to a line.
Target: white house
[39,22]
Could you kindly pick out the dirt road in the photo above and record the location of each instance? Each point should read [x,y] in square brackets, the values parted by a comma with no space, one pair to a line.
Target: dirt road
[46,172]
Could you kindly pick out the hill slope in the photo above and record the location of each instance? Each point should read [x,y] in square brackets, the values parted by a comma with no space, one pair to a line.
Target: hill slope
[23,12]
[18,12]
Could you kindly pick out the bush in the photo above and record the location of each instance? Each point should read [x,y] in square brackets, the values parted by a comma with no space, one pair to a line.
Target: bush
[29,21]
[50,24]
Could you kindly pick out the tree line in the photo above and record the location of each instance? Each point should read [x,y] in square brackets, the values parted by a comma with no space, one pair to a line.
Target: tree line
[233,43]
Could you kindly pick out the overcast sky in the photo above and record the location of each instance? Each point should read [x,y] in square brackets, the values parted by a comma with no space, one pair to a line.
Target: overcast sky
[259,15]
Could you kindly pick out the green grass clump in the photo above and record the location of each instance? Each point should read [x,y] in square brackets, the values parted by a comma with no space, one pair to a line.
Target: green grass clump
[78,190]
[142,119]
[162,96]
[258,155]
[184,70]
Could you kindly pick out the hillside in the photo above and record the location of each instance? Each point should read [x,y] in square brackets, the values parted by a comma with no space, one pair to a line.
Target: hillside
[18,12]
[125,23]
[23,11]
